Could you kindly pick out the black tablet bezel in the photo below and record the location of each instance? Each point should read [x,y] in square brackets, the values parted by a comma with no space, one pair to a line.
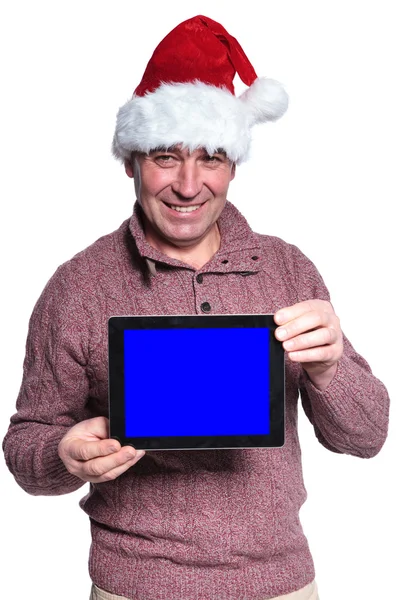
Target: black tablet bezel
[116,327]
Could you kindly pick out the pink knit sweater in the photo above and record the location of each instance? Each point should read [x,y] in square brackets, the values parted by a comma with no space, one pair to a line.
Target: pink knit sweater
[193,525]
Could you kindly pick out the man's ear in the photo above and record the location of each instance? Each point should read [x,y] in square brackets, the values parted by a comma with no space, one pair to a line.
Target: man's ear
[129,167]
[233,171]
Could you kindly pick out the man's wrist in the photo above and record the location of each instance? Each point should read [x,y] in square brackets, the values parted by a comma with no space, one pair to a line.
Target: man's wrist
[322,379]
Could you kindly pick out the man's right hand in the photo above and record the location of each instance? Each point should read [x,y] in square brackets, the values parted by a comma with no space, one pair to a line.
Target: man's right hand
[88,453]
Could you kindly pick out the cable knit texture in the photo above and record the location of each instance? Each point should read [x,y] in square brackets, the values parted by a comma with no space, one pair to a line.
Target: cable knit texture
[193,525]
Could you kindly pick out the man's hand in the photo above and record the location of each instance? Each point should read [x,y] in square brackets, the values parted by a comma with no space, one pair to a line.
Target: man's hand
[87,452]
[311,335]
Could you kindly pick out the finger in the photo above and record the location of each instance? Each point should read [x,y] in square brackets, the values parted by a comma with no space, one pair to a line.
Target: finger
[321,354]
[288,313]
[305,322]
[81,450]
[98,467]
[320,337]
[114,473]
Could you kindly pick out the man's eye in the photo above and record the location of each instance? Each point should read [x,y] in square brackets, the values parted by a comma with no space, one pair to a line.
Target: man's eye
[164,158]
[212,158]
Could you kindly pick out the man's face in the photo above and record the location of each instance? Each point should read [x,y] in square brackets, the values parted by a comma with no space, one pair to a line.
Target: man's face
[182,194]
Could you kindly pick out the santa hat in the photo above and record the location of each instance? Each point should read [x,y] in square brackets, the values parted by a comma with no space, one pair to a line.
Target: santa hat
[187,97]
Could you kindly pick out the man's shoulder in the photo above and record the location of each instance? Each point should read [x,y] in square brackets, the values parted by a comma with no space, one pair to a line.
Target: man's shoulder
[96,262]
[99,255]
[274,245]
[281,257]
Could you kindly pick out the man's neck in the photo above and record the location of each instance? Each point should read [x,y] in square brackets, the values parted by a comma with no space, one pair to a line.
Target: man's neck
[196,255]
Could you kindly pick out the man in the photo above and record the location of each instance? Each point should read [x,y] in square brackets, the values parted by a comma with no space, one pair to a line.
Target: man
[202,524]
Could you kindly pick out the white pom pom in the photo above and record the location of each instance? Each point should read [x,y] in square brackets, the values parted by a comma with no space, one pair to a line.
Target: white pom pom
[265,100]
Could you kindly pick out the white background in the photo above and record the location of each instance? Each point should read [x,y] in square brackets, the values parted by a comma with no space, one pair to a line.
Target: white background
[325,178]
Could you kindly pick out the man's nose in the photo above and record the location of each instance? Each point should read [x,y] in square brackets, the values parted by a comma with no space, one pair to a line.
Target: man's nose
[188,181]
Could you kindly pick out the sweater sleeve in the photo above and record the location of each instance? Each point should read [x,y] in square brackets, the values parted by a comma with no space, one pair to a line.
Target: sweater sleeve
[54,389]
[352,415]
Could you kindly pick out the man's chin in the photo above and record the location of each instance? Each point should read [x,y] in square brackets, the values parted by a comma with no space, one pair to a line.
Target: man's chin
[189,237]
[184,242]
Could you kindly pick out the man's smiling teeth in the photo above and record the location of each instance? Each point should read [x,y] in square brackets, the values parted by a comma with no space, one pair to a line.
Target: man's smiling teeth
[184,208]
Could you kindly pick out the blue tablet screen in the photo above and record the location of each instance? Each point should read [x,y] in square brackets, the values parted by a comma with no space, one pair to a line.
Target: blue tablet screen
[196,382]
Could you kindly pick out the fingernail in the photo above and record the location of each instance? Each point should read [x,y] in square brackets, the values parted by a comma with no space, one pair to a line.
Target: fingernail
[281,333]
[140,453]
[279,317]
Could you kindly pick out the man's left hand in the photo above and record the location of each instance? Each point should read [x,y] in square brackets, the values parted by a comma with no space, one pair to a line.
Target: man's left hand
[311,335]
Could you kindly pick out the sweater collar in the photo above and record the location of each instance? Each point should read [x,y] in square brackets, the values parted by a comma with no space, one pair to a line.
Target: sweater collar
[239,250]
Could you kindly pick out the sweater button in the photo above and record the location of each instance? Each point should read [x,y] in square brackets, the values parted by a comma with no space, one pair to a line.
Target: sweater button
[205,307]
[254,258]
[199,278]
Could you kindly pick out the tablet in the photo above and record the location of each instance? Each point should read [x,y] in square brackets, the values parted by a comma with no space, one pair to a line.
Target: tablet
[196,382]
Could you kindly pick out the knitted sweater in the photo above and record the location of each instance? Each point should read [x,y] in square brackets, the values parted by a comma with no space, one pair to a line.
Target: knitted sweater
[193,525]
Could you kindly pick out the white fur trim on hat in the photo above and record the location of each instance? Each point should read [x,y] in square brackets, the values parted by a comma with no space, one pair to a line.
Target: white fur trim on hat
[266,100]
[196,115]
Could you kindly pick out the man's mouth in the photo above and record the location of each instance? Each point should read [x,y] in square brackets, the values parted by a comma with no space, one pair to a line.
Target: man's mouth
[184,208]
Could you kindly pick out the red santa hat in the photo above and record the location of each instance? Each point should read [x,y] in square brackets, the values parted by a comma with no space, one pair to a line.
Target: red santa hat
[187,97]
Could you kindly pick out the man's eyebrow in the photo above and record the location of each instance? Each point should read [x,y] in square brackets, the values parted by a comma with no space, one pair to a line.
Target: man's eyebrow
[217,151]
[162,149]
[174,149]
